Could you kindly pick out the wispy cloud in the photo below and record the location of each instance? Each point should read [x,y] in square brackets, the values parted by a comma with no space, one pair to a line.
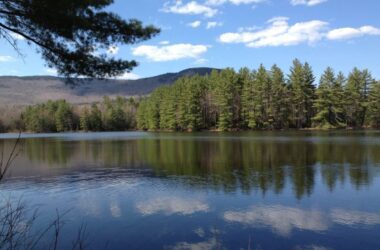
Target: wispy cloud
[164,42]
[211,25]
[236,2]
[280,33]
[170,52]
[200,61]
[190,8]
[195,24]
[307,2]
[6,59]
[128,76]
[349,33]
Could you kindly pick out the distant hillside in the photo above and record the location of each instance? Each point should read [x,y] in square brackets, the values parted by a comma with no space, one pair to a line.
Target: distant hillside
[16,91]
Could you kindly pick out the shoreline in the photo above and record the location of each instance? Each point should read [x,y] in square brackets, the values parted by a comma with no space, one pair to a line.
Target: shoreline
[197,131]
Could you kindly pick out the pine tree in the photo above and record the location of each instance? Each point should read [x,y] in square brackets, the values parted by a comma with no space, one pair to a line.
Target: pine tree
[141,116]
[68,32]
[63,117]
[280,98]
[309,93]
[326,116]
[95,118]
[356,92]
[373,118]
[84,120]
[224,95]
[248,95]
[302,89]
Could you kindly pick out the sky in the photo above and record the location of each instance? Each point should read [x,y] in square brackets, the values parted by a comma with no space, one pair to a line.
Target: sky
[237,33]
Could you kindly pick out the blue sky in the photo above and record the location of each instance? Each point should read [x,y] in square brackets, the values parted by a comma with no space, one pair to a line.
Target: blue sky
[238,33]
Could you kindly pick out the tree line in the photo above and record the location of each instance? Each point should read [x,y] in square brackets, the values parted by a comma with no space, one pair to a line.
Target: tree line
[260,99]
[60,116]
[264,99]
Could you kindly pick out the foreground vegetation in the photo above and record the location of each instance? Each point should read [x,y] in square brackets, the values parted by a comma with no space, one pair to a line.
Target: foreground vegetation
[261,99]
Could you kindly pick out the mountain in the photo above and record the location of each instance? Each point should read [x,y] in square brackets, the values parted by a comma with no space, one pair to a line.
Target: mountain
[18,91]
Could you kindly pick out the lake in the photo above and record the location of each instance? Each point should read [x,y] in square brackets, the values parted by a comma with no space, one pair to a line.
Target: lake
[246,190]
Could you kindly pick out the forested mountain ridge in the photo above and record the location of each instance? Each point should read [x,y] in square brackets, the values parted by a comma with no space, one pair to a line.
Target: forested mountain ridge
[37,89]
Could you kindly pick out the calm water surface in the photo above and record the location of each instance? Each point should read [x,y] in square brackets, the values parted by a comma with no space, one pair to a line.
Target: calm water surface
[259,190]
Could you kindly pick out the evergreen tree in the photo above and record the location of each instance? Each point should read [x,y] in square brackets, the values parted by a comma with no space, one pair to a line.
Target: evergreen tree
[356,92]
[224,95]
[373,118]
[95,119]
[248,98]
[67,33]
[326,115]
[141,116]
[84,120]
[301,80]
[64,117]
[280,98]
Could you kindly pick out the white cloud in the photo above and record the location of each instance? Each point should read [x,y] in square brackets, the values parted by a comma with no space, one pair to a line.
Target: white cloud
[51,71]
[164,43]
[6,58]
[113,50]
[348,33]
[279,33]
[190,8]
[211,25]
[200,61]
[17,36]
[195,24]
[170,52]
[172,205]
[236,2]
[128,76]
[281,219]
[307,2]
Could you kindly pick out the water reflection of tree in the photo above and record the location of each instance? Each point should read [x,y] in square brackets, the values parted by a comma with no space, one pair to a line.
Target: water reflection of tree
[224,164]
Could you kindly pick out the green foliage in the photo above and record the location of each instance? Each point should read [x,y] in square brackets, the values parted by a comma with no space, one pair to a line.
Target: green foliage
[373,118]
[68,32]
[262,99]
[64,117]
[356,94]
[227,100]
[301,86]
[328,104]
[53,116]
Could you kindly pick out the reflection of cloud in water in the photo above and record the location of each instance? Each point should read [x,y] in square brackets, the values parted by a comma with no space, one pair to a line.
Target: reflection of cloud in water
[200,232]
[311,247]
[282,219]
[172,205]
[115,209]
[351,218]
[203,245]
[89,204]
